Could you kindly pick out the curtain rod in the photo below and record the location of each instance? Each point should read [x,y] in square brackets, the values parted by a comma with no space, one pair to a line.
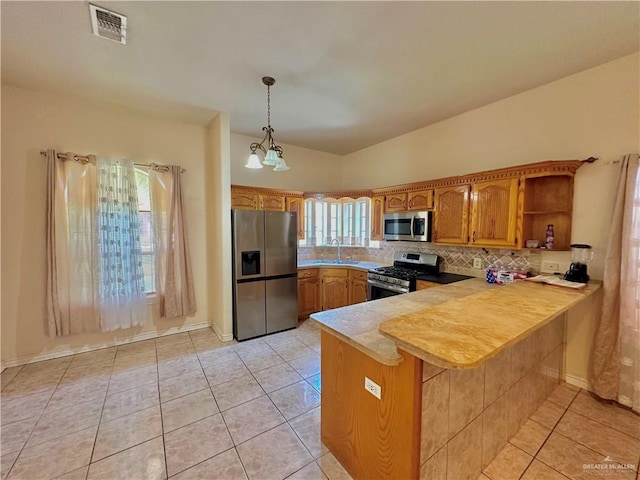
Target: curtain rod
[83,158]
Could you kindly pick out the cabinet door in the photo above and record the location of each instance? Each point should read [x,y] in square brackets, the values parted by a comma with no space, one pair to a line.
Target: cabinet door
[272,202]
[377,217]
[451,222]
[334,288]
[241,200]
[396,202]
[357,286]
[420,200]
[296,204]
[308,296]
[494,211]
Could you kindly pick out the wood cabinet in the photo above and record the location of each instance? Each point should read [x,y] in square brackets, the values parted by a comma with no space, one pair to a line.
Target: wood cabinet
[424,284]
[548,201]
[334,288]
[308,292]
[396,202]
[271,202]
[494,213]
[377,217]
[451,216]
[420,200]
[326,288]
[296,204]
[244,200]
[357,286]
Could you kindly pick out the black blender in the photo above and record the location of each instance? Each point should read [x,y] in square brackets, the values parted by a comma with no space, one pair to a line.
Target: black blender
[581,255]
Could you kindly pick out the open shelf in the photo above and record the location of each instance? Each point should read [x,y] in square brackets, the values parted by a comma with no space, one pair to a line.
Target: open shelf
[548,201]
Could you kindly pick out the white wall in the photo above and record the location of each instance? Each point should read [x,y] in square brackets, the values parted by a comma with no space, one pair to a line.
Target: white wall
[219,227]
[309,169]
[32,121]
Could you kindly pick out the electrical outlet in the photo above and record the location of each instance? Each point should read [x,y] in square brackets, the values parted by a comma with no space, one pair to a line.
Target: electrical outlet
[550,267]
[372,387]
[477,263]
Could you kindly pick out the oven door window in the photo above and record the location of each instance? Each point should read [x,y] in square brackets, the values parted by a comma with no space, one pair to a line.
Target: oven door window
[397,226]
[375,293]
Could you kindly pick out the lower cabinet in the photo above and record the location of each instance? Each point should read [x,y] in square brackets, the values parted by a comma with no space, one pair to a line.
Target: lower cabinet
[308,292]
[326,288]
[357,286]
[334,288]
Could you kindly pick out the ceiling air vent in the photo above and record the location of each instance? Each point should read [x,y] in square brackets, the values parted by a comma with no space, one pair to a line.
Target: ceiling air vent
[108,24]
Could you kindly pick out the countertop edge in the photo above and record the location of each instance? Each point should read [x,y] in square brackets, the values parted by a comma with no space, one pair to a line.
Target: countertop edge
[358,346]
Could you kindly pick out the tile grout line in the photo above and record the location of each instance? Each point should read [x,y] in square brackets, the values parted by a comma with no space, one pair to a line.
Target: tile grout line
[39,418]
[164,446]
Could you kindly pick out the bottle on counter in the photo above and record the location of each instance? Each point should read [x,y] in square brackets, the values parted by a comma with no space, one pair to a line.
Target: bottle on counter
[549,237]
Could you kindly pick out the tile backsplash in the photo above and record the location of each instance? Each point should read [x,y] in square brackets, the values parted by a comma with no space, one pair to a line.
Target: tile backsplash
[455,259]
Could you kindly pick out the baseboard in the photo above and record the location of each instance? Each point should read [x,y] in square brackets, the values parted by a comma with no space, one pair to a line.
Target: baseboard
[577,381]
[14,362]
[224,337]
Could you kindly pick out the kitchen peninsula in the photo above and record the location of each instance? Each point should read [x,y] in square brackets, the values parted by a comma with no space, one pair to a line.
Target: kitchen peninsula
[461,367]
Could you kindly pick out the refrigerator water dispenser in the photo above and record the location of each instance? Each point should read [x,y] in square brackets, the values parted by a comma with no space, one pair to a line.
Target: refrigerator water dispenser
[250,263]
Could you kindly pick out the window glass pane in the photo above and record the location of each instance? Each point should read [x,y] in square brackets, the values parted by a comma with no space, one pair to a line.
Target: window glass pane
[146,231]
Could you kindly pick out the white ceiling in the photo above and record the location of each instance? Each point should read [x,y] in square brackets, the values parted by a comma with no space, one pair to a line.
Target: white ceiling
[348,74]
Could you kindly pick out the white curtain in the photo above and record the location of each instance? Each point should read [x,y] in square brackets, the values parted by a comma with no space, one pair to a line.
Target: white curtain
[72,240]
[94,266]
[174,277]
[122,292]
[615,368]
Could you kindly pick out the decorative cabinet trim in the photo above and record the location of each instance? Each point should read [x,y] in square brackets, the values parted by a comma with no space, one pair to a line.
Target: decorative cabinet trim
[338,195]
[540,169]
[265,191]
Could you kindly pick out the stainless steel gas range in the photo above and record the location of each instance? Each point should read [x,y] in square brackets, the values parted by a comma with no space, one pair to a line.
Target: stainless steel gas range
[407,268]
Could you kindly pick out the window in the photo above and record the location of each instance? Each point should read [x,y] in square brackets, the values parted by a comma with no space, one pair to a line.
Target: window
[146,231]
[346,220]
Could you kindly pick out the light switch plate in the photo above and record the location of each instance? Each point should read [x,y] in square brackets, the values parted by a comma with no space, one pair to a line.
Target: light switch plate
[550,267]
[372,387]
[477,263]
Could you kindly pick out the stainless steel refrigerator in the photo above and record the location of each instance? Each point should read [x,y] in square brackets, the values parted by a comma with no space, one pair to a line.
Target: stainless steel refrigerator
[265,272]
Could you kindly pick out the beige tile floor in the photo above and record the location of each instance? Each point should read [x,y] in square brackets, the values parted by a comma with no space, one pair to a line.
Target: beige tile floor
[184,406]
[572,436]
[187,406]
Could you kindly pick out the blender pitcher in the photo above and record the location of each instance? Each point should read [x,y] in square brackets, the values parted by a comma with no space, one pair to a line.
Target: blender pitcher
[581,255]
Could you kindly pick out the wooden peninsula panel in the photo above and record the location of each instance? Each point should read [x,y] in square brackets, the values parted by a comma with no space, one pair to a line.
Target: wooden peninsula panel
[371,438]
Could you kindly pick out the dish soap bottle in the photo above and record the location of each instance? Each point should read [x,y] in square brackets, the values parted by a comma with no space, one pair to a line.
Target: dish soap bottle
[549,237]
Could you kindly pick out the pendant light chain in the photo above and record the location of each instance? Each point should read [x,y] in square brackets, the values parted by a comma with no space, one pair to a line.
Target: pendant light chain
[273,153]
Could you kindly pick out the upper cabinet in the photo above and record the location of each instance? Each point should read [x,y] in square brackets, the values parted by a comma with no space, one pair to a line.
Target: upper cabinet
[377,217]
[451,215]
[296,204]
[548,200]
[494,213]
[396,202]
[271,202]
[420,200]
[244,200]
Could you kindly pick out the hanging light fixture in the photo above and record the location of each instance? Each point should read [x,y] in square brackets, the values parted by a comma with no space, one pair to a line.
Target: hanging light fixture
[272,152]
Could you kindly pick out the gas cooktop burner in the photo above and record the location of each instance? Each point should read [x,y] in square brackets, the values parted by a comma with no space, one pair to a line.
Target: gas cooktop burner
[398,272]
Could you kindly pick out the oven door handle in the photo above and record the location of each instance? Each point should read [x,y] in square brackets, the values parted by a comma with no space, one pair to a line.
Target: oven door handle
[413,234]
[386,286]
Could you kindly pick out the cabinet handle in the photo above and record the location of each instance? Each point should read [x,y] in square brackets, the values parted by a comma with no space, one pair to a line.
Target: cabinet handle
[473,237]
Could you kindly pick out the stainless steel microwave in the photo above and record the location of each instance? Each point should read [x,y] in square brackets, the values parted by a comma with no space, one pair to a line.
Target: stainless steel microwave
[411,226]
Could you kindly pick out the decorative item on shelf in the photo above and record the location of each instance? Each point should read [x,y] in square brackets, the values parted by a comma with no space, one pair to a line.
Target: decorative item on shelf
[273,153]
[532,244]
[549,237]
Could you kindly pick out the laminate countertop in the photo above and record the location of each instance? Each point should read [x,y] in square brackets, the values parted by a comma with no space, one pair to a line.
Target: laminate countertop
[459,325]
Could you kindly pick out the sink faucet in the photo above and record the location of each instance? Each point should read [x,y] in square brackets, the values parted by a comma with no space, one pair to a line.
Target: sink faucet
[337,242]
